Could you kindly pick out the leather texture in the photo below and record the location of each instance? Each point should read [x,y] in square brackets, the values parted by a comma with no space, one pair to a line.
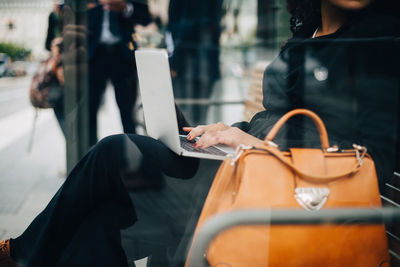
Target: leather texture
[266,177]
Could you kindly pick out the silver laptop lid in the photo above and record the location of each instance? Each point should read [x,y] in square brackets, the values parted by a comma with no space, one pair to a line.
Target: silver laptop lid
[157,97]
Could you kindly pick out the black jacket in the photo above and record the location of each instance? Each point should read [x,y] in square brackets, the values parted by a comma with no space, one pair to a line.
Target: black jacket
[119,25]
[349,78]
[54,29]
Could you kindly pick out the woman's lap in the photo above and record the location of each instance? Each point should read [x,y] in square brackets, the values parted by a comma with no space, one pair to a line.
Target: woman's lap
[158,156]
[165,159]
[96,181]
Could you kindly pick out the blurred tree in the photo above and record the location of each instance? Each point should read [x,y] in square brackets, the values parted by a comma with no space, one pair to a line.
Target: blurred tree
[16,52]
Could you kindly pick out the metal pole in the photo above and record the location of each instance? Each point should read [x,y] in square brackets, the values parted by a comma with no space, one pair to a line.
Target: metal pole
[76,80]
[222,222]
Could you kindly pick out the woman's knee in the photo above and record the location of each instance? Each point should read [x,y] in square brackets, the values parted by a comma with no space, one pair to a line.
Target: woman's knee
[119,150]
[110,145]
[126,152]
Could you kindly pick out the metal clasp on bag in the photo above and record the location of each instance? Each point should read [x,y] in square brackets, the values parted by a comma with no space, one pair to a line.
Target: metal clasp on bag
[272,144]
[332,149]
[312,198]
[238,152]
[361,151]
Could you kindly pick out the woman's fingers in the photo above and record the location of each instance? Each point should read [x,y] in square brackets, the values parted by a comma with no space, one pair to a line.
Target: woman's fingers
[187,129]
[206,140]
[212,138]
[202,129]
[195,131]
[232,137]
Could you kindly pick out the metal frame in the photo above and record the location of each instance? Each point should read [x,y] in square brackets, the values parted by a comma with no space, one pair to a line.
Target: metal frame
[224,221]
[207,102]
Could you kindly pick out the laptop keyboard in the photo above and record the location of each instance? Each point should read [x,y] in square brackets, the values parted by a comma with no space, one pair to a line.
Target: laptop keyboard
[188,145]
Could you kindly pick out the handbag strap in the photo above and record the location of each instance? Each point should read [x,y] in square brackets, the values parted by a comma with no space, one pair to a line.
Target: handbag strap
[317,120]
[309,177]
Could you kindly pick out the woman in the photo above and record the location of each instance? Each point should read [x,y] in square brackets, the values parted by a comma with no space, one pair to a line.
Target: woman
[340,64]
[57,70]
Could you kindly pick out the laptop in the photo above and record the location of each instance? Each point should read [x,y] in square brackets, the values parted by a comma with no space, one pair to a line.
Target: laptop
[159,107]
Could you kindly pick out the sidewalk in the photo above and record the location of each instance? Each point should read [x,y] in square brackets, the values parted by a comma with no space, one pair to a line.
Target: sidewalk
[29,179]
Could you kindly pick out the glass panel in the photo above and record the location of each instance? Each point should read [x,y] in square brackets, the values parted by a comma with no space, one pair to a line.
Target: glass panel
[94,95]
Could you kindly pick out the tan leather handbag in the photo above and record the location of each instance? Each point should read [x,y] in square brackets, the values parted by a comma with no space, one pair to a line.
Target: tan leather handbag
[302,178]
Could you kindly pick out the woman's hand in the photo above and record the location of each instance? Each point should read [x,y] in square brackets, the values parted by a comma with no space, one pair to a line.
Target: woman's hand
[202,129]
[220,133]
[113,5]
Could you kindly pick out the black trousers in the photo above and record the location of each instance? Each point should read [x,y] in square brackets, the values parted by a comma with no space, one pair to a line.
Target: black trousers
[81,224]
[114,63]
[59,113]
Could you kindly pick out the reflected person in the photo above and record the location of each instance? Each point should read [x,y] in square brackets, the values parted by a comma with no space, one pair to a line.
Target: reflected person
[110,44]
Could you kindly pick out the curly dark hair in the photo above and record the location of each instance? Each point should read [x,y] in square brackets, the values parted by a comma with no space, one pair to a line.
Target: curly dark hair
[303,12]
[306,13]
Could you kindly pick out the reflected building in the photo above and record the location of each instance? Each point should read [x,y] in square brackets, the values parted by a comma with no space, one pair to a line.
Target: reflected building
[24,22]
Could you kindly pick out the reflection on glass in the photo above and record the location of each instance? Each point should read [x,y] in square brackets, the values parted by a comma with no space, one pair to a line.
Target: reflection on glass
[120,200]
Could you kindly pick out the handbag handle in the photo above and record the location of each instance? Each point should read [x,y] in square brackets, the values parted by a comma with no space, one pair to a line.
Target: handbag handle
[323,135]
[309,177]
